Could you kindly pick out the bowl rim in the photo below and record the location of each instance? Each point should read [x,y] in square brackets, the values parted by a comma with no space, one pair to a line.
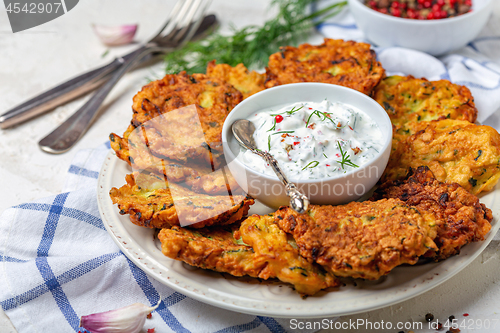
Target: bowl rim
[447,20]
[386,145]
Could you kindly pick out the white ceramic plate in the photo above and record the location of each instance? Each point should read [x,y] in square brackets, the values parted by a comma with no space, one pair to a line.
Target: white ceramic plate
[249,295]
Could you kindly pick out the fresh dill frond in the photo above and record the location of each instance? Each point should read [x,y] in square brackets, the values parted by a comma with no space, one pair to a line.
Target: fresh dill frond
[321,115]
[274,126]
[293,110]
[346,158]
[281,132]
[289,112]
[252,45]
[311,165]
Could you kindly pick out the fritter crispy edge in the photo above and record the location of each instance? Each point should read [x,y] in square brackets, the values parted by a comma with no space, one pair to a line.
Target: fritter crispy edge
[360,239]
[266,253]
[245,81]
[345,63]
[454,150]
[407,99]
[152,205]
[460,217]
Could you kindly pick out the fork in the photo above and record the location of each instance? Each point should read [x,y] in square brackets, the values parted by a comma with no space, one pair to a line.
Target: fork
[68,133]
[85,82]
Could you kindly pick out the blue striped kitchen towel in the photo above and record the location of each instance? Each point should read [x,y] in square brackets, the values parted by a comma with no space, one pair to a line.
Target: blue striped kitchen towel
[476,66]
[59,263]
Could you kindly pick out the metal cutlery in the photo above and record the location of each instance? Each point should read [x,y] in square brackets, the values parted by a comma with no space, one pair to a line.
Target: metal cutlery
[88,81]
[69,132]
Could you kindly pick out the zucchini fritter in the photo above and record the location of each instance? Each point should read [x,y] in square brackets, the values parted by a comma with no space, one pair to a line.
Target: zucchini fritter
[245,81]
[460,217]
[344,63]
[454,150]
[409,99]
[361,239]
[258,249]
[153,204]
[198,175]
[176,136]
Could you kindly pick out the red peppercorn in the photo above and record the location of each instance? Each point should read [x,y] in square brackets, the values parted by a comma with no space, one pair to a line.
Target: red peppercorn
[279,118]
[430,16]
[396,12]
[427,4]
[440,3]
[395,4]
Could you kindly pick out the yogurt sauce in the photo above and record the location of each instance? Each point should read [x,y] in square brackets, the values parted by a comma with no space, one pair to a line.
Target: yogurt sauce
[314,140]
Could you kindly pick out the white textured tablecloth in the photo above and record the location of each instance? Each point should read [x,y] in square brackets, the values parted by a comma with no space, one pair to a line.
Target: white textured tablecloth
[39,174]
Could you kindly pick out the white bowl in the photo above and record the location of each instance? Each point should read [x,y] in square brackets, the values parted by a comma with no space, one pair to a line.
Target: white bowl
[330,190]
[435,37]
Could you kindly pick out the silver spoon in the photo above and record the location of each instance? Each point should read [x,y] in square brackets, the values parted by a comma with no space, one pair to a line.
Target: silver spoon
[243,132]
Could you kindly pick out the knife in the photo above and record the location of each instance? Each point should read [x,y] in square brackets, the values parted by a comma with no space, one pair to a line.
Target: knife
[80,85]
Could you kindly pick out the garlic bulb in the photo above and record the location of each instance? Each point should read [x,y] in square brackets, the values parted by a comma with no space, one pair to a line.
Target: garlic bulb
[129,319]
[116,35]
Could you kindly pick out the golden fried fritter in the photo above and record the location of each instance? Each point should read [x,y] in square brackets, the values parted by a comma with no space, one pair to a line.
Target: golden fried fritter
[460,217]
[345,63]
[361,239]
[245,81]
[152,203]
[180,136]
[197,175]
[258,249]
[409,99]
[454,150]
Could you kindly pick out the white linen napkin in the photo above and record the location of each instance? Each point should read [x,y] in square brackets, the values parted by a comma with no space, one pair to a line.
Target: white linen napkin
[59,263]
[476,66]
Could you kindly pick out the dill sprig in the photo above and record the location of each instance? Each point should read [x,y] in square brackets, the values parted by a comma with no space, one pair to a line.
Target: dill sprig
[252,45]
[311,165]
[289,112]
[282,132]
[321,115]
[274,126]
[346,158]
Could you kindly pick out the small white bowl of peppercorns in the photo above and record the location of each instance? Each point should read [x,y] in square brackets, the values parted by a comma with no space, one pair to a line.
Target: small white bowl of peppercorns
[436,27]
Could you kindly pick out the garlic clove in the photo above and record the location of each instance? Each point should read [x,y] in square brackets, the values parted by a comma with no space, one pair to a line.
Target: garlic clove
[129,319]
[115,35]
